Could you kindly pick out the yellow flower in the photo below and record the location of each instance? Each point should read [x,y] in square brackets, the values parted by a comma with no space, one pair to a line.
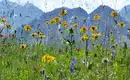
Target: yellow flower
[114,14]
[9,26]
[39,32]
[47,58]
[34,34]
[84,37]
[3,19]
[63,12]
[122,24]
[96,35]
[27,28]
[83,29]
[42,36]
[96,17]
[53,21]
[76,25]
[23,46]
[47,22]
[57,19]
[64,24]
[93,28]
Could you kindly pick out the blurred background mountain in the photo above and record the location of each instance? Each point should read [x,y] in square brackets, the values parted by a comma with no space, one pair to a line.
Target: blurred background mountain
[19,16]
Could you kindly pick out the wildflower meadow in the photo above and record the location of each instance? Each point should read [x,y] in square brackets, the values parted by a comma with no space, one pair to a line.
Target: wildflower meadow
[77,53]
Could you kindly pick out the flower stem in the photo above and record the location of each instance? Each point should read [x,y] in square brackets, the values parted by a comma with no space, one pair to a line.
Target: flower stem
[71,44]
[86,50]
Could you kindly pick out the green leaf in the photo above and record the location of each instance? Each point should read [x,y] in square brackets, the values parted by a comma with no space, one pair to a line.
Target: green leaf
[71,31]
[3,63]
[73,42]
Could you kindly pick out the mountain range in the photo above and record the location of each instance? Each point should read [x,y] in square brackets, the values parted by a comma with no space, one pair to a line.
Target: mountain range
[19,15]
[125,12]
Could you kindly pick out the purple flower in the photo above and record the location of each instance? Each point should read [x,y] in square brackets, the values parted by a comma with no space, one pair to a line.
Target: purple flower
[72,66]
[73,60]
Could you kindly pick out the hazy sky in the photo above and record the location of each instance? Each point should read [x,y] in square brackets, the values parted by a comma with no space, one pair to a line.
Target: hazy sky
[88,5]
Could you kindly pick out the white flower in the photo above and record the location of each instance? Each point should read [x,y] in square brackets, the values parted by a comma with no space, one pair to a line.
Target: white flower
[105,60]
